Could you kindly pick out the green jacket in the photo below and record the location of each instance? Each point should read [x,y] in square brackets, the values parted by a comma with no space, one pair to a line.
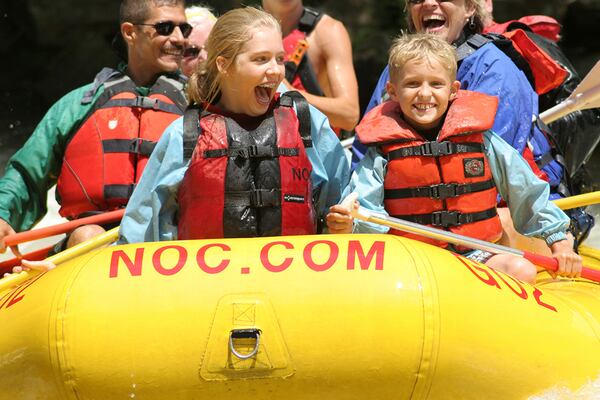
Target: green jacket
[34,169]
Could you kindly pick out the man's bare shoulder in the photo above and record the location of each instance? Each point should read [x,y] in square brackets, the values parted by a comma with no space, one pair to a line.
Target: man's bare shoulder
[330,30]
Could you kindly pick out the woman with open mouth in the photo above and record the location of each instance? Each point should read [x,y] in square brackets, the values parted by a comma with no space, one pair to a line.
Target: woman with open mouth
[484,67]
[245,160]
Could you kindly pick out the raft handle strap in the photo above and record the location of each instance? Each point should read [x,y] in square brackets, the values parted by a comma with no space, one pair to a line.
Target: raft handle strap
[244,334]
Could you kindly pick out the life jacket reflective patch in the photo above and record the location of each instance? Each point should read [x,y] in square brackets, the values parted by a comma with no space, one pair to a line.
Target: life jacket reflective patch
[242,183]
[105,157]
[446,183]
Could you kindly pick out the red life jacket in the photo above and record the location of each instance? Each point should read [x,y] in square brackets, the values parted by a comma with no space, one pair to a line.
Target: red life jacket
[105,157]
[246,183]
[543,25]
[298,69]
[446,183]
[542,71]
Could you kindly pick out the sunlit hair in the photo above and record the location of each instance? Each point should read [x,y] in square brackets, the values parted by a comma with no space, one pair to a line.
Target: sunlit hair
[138,11]
[197,15]
[227,38]
[421,47]
[480,16]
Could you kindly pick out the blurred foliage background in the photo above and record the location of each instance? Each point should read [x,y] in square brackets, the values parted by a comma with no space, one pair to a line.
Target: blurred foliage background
[49,47]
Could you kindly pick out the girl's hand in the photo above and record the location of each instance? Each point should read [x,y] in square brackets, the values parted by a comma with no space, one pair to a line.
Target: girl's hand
[339,219]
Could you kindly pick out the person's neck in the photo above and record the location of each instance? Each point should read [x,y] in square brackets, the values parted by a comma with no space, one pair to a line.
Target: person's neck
[141,76]
[289,18]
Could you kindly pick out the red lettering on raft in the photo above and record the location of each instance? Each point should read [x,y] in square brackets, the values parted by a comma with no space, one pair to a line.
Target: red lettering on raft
[201,259]
[134,267]
[334,252]
[157,262]
[355,250]
[471,266]
[264,257]
[490,281]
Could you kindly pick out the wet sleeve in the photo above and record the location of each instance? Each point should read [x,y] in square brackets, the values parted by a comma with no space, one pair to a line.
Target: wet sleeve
[152,209]
[331,171]
[532,212]
[367,181]
[33,169]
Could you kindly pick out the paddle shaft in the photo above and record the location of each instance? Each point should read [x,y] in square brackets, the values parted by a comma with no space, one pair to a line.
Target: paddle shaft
[27,236]
[578,102]
[548,263]
[13,280]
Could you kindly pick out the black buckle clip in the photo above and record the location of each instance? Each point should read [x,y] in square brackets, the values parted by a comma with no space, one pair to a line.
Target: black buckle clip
[146,102]
[436,149]
[134,146]
[444,191]
[445,218]
[256,198]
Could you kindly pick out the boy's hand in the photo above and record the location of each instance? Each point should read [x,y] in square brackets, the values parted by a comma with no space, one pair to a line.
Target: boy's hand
[339,219]
[569,262]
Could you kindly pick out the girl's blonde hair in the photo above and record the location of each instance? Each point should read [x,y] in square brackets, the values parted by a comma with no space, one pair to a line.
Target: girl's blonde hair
[421,46]
[475,23]
[227,38]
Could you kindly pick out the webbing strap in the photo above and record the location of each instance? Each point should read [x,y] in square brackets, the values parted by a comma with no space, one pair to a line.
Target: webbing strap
[254,198]
[302,113]
[143,102]
[253,152]
[439,192]
[449,218]
[118,191]
[191,131]
[436,149]
[103,76]
[136,146]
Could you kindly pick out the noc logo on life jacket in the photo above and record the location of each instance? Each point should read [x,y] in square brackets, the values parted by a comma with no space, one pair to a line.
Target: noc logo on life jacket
[301,174]
[474,167]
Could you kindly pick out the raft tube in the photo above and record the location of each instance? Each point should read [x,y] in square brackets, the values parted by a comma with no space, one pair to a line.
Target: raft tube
[304,317]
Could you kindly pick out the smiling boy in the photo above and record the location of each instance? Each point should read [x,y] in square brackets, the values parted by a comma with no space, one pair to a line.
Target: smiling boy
[433,160]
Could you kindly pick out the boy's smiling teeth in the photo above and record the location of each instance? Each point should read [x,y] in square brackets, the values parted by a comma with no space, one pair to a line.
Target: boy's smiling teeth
[424,106]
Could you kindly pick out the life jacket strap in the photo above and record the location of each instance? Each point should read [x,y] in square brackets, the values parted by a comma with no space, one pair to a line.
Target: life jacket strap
[134,146]
[436,149]
[448,219]
[252,152]
[254,198]
[441,191]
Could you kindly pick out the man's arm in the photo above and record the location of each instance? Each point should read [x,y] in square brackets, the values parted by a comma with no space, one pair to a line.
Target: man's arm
[334,42]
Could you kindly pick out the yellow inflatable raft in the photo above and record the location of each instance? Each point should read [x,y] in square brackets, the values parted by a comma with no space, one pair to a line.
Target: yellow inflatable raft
[307,317]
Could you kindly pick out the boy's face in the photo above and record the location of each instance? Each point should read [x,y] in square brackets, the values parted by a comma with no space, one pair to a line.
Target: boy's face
[423,89]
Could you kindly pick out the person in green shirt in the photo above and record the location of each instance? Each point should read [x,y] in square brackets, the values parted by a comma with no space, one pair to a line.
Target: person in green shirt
[94,142]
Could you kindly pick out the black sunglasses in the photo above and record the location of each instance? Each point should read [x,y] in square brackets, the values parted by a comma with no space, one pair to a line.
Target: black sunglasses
[413,2]
[166,28]
[192,51]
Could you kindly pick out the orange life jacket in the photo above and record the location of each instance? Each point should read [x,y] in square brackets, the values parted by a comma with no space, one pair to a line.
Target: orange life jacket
[446,183]
[105,158]
[242,183]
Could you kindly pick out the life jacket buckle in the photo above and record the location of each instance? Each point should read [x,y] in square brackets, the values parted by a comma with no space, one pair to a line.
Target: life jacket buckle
[444,191]
[445,218]
[436,149]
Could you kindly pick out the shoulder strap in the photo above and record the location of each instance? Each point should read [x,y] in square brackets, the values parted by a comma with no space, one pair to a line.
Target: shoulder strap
[191,130]
[102,77]
[309,19]
[288,99]
[475,42]
[173,89]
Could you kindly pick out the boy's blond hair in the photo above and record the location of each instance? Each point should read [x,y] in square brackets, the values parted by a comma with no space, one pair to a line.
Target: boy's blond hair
[421,46]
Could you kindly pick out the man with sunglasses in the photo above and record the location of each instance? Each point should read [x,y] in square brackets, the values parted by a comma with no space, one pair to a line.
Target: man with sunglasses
[202,19]
[95,141]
